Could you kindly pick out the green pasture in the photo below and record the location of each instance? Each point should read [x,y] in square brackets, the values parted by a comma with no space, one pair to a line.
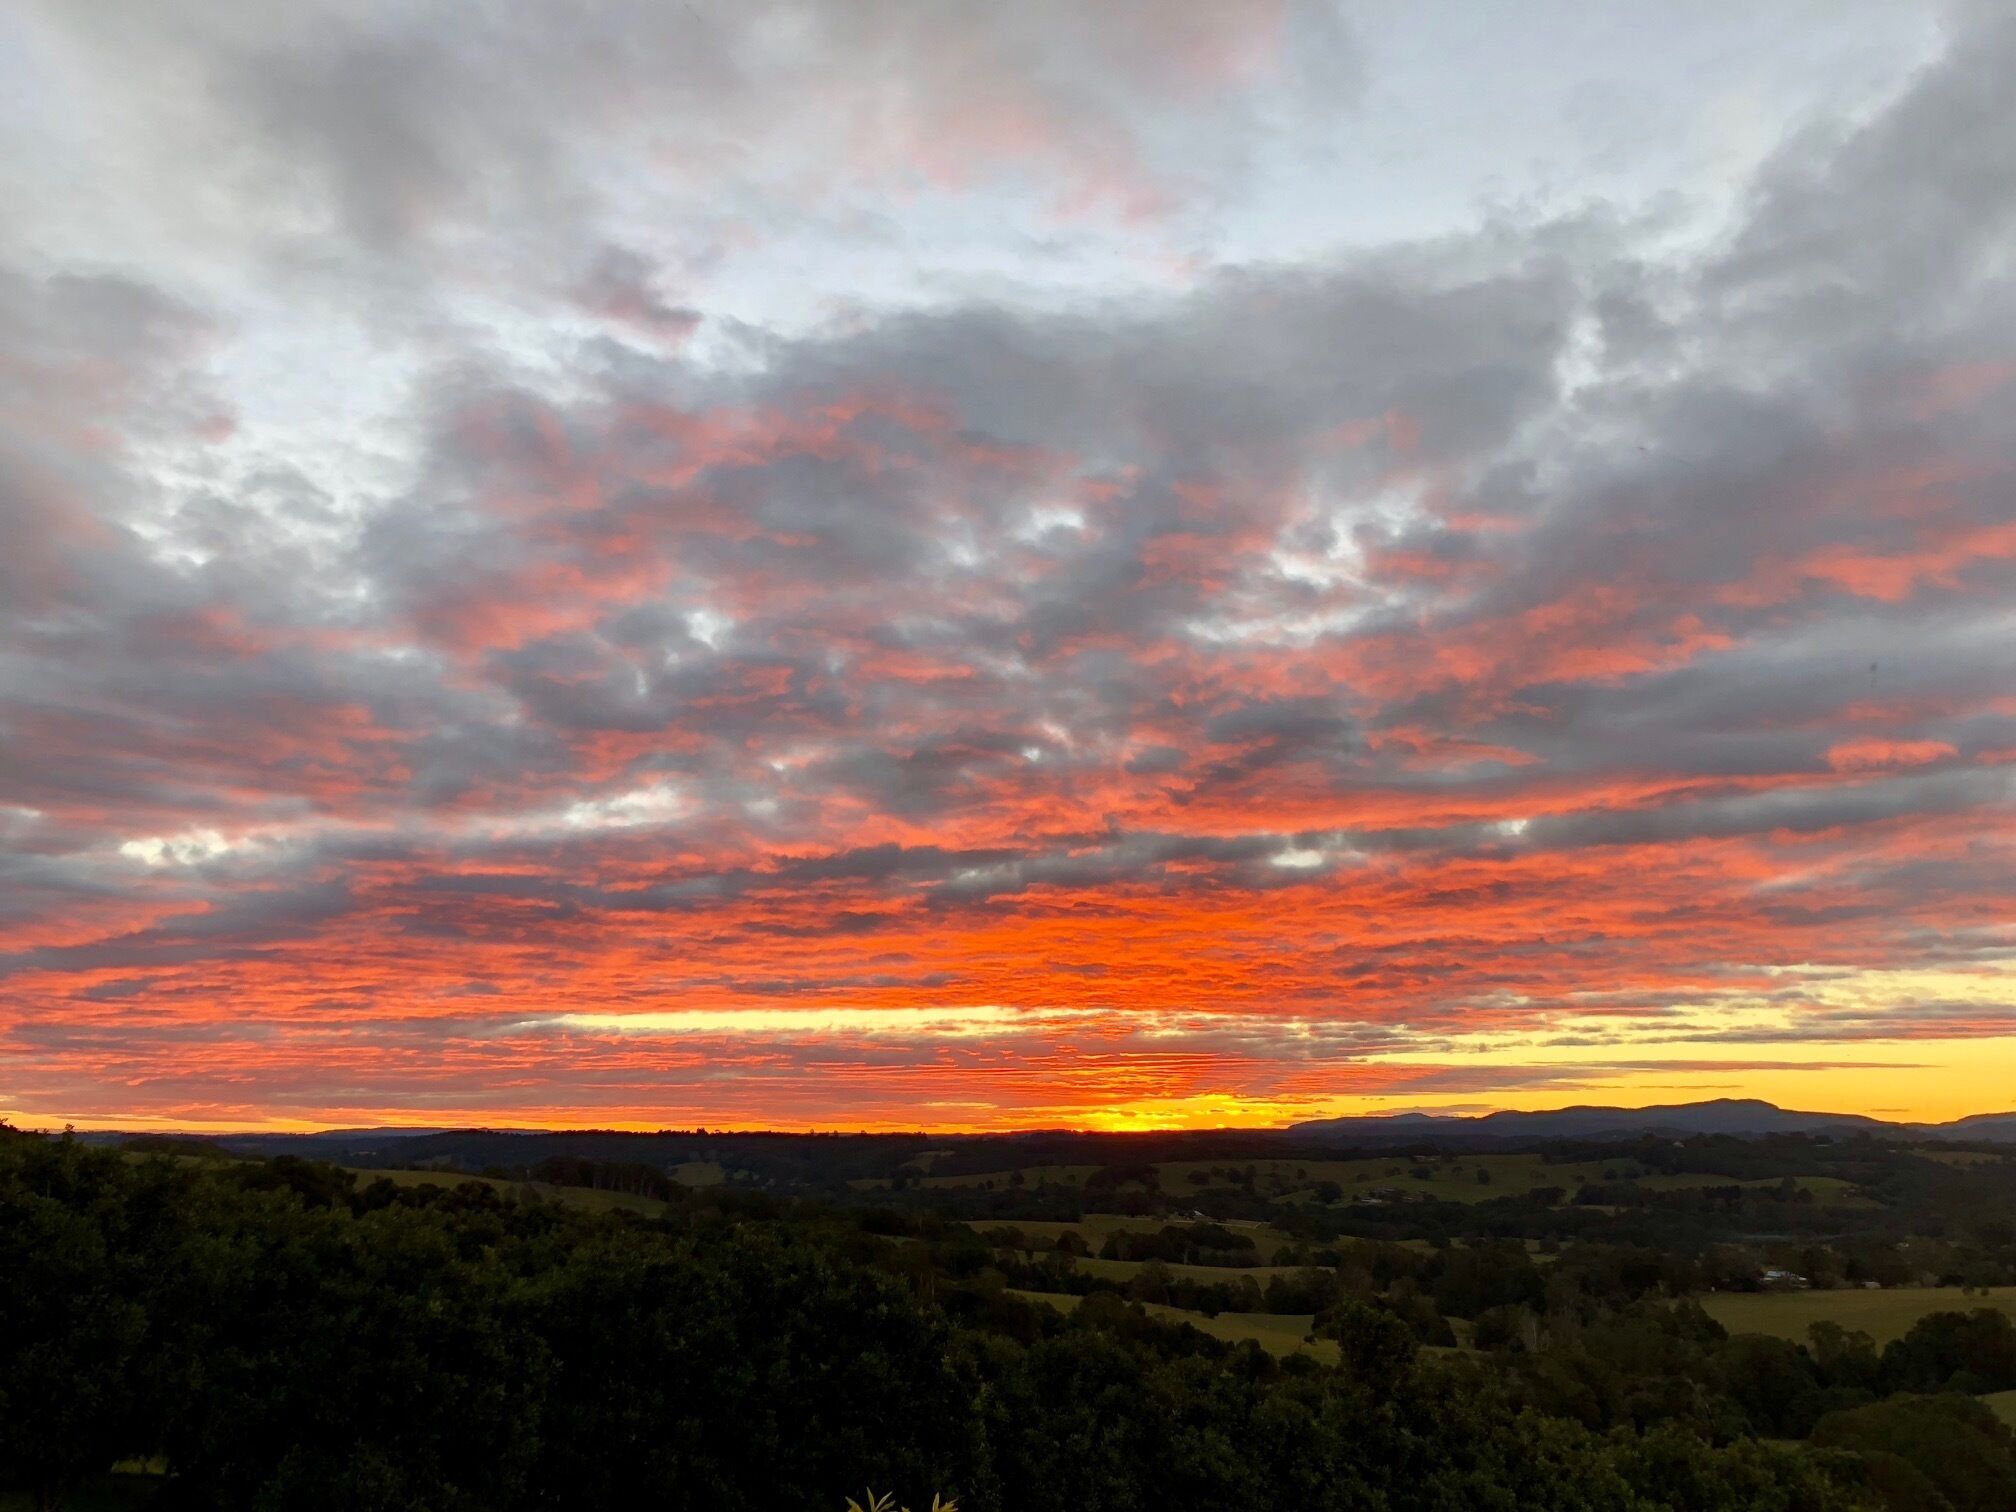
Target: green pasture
[366,1175]
[1959,1157]
[1096,1228]
[1277,1333]
[1442,1178]
[1883,1315]
[585,1198]
[1827,1189]
[1032,1176]
[1127,1270]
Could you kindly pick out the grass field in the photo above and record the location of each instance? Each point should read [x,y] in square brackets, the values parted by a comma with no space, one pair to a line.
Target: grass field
[1451,1179]
[2004,1403]
[1277,1333]
[1096,1228]
[591,1201]
[1032,1176]
[365,1176]
[1883,1315]
[1454,1179]
[1446,1179]
[1958,1157]
[1830,1189]
[585,1198]
[1126,1270]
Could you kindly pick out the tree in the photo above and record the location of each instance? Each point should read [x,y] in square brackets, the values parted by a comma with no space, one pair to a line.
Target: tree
[1952,1444]
[1972,1351]
[1376,1347]
[74,1361]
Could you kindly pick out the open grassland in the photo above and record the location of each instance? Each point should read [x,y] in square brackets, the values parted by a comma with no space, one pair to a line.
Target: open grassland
[1126,1270]
[366,1175]
[1959,1157]
[1032,1176]
[1883,1315]
[1446,1178]
[1096,1228]
[1450,1178]
[1831,1190]
[585,1198]
[1461,1178]
[1277,1333]
[2004,1405]
[1062,1301]
[591,1201]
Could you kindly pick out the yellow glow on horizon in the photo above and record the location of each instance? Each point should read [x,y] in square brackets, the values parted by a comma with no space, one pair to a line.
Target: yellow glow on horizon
[1767,1047]
[1946,1079]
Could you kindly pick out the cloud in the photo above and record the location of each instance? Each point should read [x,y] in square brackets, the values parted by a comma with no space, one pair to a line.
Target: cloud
[1285,668]
[395,129]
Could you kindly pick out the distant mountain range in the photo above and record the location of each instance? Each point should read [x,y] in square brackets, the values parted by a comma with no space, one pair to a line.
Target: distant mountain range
[1742,1116]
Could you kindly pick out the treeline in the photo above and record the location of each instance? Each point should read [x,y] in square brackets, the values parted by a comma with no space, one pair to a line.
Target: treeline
[1671,1364]
[280,1336]
[1439,1281]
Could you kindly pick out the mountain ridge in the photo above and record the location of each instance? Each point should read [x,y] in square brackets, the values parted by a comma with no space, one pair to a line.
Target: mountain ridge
[1741,1116]
[1727,1115]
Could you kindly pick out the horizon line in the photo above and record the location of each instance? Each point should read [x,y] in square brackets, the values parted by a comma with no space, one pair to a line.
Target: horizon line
[21,1123]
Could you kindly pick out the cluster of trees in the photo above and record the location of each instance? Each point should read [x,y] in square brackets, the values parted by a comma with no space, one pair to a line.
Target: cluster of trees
[1670,1363]
[1309,1290]
[1185,1244]
[282,1336]
[1460,1281]
[1594,1334]
[279,1338]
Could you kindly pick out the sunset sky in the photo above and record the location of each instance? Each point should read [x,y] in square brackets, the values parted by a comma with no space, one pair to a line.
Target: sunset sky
[884,564]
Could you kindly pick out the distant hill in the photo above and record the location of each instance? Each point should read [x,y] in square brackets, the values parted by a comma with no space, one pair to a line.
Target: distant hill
[797,1156]
[1998,1126]
[1742,1116]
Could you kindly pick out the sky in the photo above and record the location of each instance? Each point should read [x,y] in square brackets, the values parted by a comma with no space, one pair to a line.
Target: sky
[894,565]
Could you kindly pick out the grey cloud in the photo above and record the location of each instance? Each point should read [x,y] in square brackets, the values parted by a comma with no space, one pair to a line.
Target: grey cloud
[390,126]
[1621,576]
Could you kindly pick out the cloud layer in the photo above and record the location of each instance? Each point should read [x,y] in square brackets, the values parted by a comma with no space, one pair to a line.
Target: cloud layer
[459,660]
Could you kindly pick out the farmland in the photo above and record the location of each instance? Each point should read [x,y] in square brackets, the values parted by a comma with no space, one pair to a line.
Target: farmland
[1096,1228]
[1883,1315]
[1127,1270]
[1472,1262]
[1377,1179]
[1830,1189]
[587,1199]
[1277,1333]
